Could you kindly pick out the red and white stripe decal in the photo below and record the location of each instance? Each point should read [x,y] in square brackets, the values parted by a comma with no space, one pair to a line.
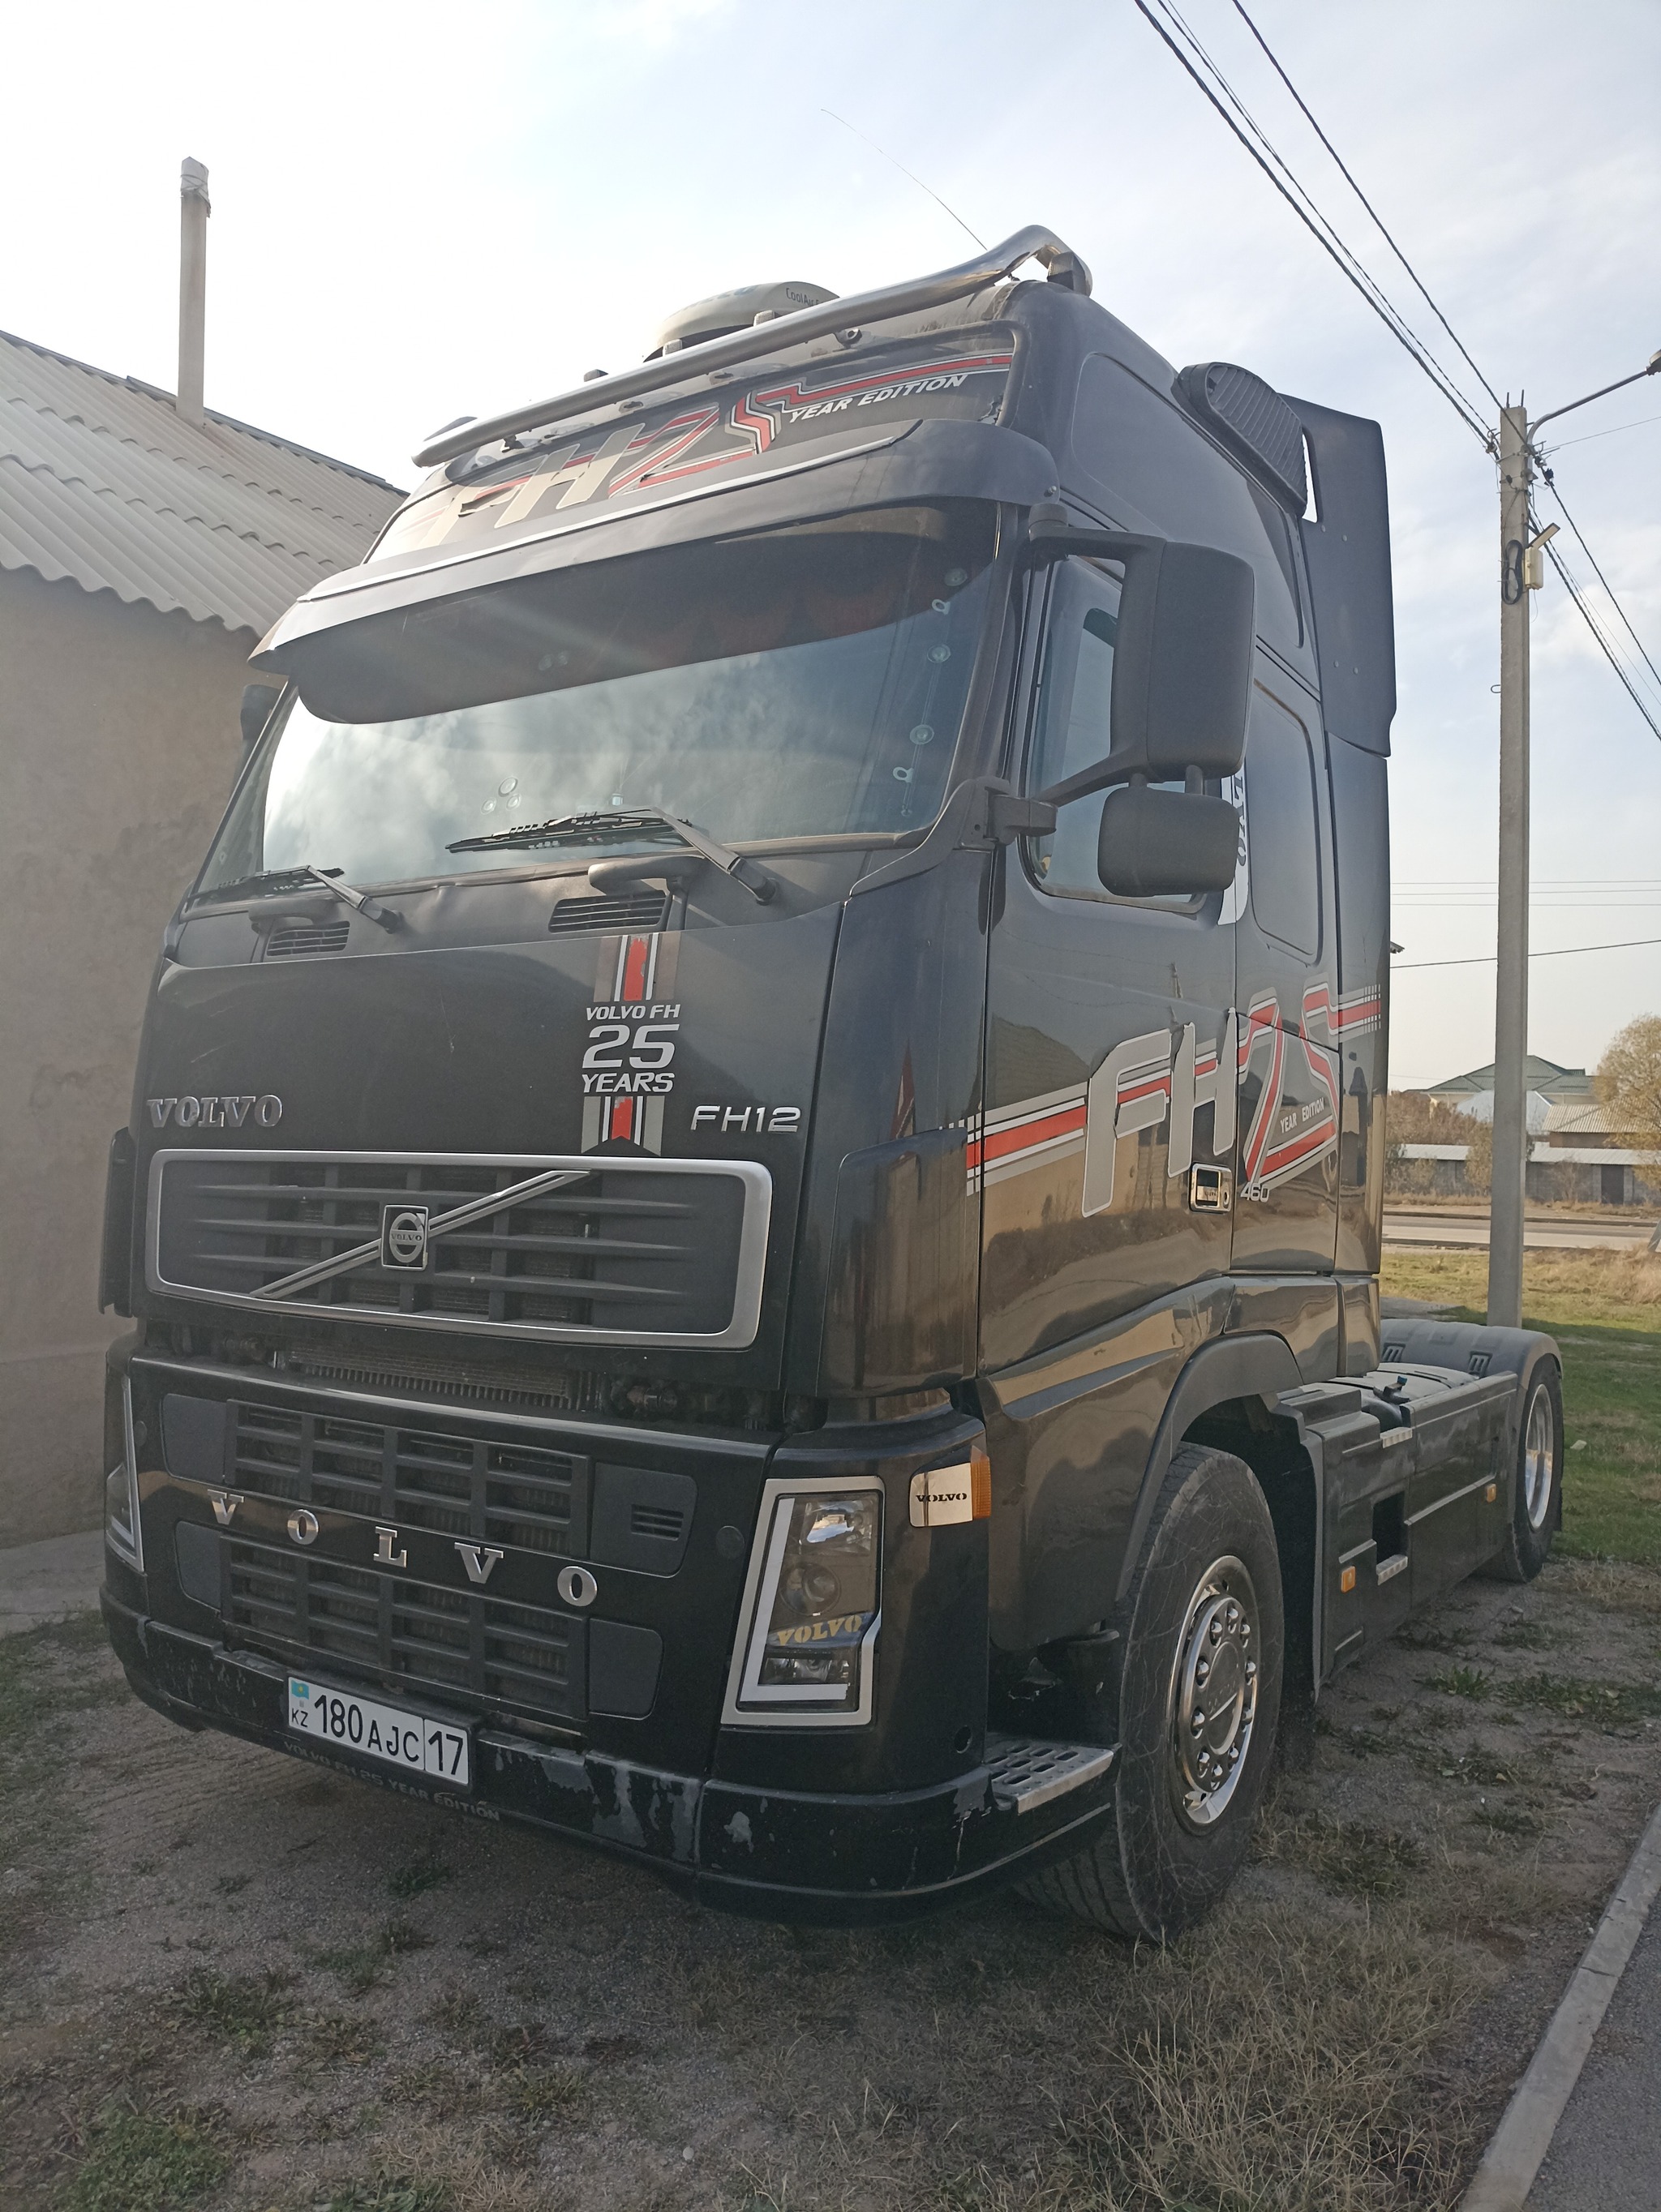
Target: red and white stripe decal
[1015,1138]
[636,970]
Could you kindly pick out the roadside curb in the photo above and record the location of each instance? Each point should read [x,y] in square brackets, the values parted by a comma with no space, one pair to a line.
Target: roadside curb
[1514,2157]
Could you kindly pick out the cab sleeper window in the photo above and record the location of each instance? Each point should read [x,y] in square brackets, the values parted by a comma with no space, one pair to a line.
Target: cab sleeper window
[1073,729]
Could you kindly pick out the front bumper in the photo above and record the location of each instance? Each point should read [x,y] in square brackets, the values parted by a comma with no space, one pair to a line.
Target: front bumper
[785,1854]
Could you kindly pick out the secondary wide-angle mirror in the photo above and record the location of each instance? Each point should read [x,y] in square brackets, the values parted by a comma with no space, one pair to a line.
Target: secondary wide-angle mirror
[1165,844]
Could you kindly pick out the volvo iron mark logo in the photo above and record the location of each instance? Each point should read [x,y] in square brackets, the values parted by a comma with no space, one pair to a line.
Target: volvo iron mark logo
[403,1236]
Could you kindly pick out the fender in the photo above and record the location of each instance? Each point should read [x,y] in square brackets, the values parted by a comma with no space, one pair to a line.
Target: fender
[1228,1367]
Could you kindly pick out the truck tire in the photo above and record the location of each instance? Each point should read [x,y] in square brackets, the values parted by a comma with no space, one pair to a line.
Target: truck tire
[1205,1606]
[1536,1506]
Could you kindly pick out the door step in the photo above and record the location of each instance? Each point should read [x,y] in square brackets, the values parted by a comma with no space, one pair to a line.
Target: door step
[1027,1772]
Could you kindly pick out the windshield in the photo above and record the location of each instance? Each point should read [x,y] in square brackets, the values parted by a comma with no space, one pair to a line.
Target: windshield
[795,682]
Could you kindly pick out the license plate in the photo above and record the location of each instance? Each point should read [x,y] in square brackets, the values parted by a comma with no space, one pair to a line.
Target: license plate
[416,1743]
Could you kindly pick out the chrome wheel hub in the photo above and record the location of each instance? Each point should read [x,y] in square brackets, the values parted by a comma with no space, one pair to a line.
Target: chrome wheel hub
[1214,1701]
[1539,1457]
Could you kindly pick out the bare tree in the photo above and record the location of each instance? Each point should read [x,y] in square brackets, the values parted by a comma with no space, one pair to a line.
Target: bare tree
[1628,1078]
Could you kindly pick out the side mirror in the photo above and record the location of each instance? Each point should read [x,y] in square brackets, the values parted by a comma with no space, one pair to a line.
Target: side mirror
[1182,665]
[1165,844]
[257,701]
[1182,672]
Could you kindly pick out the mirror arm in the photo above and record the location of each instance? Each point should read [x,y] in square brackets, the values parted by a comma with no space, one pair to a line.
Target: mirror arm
[1051,537]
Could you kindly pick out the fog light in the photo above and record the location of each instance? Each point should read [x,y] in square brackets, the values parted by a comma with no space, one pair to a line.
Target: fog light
[123,1530]
[807,1631]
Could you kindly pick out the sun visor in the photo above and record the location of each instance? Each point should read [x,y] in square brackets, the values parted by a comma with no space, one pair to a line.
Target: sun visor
[438,641]
[930,460]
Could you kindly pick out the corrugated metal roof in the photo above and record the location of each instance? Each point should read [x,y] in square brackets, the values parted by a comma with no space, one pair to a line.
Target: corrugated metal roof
[102,483]
[1585,1118]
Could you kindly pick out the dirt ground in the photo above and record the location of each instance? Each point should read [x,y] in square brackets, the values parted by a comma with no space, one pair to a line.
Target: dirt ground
[230,1982]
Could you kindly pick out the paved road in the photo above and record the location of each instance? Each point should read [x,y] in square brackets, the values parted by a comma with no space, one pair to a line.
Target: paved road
[1541,1233]
[1606,2155]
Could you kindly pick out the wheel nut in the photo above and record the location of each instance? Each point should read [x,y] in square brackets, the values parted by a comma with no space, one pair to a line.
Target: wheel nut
[1198,1723]
[1234,1756]
[1202,1670]
[1251,1670]
[1215,1630]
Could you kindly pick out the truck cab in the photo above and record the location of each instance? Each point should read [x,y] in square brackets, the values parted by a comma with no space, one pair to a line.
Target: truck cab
[753,1205]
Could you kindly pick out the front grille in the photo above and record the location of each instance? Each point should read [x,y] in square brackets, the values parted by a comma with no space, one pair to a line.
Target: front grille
[614,1249]
[293,944]
[391,1628]
[633,913]
[410,1376]
[512,1494]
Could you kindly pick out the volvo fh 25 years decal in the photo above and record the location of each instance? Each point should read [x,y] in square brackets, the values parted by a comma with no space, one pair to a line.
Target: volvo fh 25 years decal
[633,1030]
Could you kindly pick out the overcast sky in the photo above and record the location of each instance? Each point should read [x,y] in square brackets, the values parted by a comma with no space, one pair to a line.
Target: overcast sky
[424,211]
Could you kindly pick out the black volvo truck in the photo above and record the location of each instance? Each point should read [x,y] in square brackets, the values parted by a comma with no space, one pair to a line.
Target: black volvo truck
[752,1204]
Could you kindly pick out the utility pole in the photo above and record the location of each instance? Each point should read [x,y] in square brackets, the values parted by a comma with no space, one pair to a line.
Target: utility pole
[1511,1001]
[1522,570]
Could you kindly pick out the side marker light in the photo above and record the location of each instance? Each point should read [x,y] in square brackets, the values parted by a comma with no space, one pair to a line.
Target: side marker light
[1347,1579]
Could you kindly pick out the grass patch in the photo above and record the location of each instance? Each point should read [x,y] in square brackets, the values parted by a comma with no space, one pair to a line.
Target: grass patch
[1350,1857]
[1604,1308]
[393,2193]
[542,2094]
[244,2009]
[1524,1636]
[142,2162]
[419,1876]
[1608,1704]
[1275,2068]
[36,1688]
[1506,1820]
[1460,1682]
[359,1966]
[338,2038]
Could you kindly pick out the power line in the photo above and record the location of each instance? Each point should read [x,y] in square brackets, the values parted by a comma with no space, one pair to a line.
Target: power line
[1304,205]
[1608,650]
[1553,952]
[1315,222]
[1551,486]
[1365,202]
[1614,433]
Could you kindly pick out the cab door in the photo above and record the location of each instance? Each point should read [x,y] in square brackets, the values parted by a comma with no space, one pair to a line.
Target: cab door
[1110,1043]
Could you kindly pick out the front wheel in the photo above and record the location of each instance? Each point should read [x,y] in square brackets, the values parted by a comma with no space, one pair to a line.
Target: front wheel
[1199,1698]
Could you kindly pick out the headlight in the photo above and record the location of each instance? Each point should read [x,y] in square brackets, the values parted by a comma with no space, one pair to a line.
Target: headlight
[122,1531]
[806,1649]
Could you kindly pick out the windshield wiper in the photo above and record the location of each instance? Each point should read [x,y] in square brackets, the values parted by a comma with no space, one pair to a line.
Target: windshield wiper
[275,883]
[600,828]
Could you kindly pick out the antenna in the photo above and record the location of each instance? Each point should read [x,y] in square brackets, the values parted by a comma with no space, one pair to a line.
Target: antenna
[904,172]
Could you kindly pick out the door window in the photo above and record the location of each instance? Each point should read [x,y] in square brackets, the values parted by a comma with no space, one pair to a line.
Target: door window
[1073,729]
[1282,833]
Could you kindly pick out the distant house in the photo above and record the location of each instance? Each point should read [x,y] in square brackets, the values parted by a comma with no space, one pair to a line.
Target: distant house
[1578,1155]
[141,559]
[1556,1086]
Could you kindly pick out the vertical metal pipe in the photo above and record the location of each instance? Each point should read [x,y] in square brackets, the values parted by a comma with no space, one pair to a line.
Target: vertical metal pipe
[193,213]
[1511,1007]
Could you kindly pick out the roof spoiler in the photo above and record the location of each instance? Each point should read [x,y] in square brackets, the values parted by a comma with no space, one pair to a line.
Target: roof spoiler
[1061,265]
